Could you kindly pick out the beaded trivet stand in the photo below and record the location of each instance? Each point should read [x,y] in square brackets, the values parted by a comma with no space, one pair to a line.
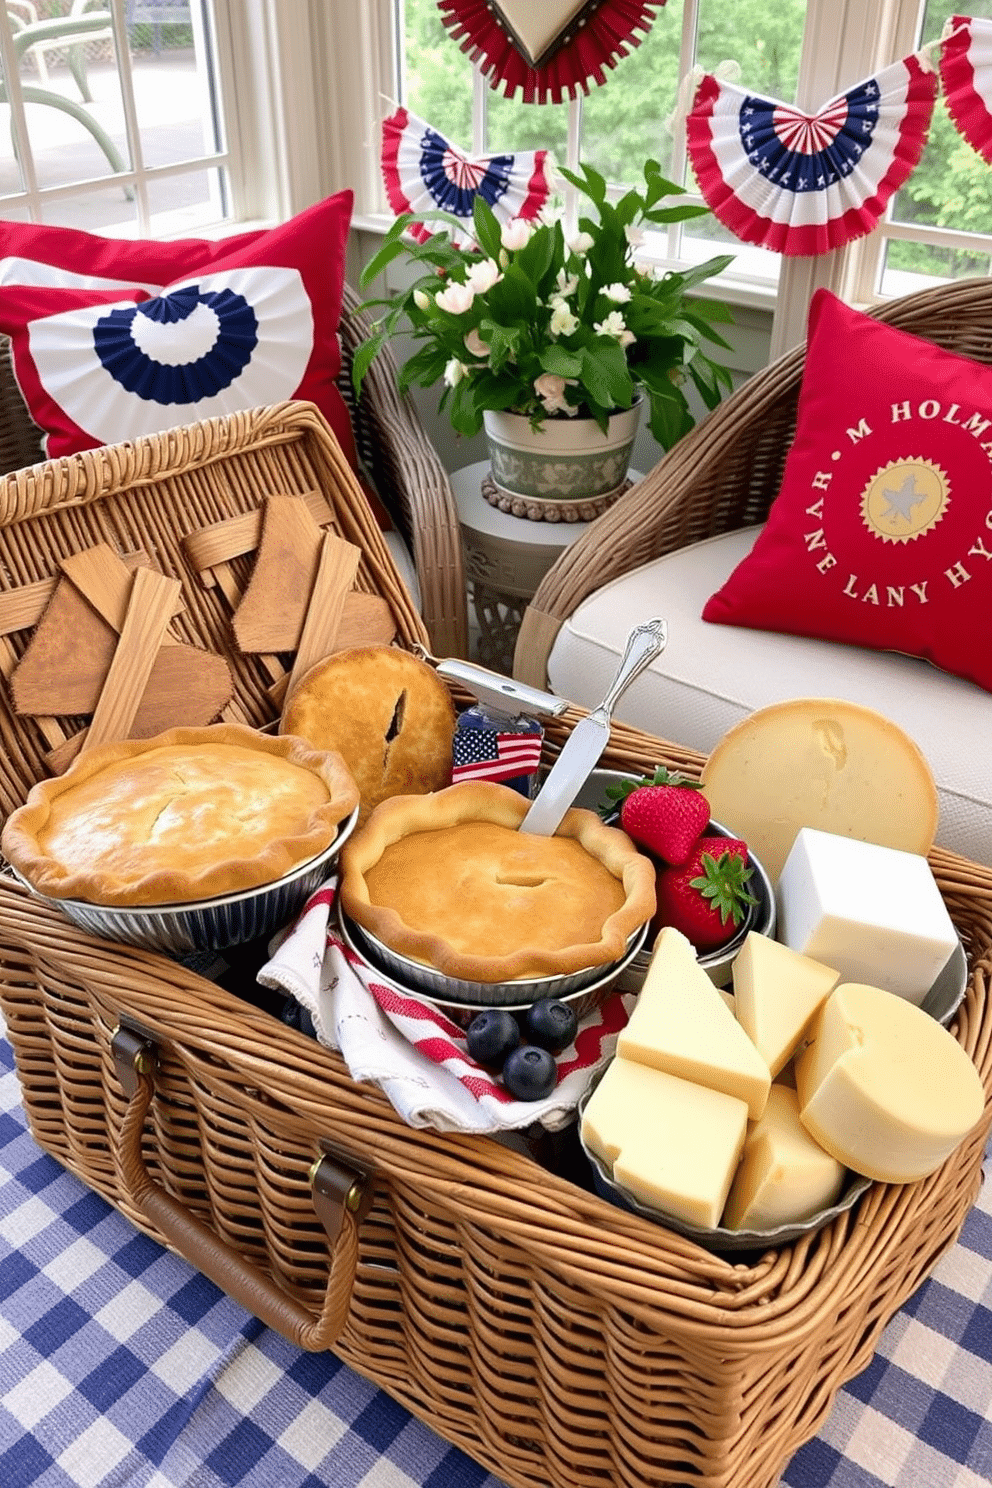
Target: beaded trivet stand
[550,509]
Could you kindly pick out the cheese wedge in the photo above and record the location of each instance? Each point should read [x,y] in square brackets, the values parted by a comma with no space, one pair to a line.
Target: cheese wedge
[784,1176]
[820,762]
[778,994]
[680,1024]
[671,1145]
[884,1087]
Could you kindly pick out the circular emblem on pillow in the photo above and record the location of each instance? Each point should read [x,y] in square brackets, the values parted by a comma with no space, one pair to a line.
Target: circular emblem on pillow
[905,499]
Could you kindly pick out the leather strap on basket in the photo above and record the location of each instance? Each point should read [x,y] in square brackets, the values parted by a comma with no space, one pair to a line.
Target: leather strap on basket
[342,1196]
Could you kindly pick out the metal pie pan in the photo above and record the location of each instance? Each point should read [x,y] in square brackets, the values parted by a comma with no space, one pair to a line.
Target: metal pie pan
[206,924]
[435,984]
[519,994]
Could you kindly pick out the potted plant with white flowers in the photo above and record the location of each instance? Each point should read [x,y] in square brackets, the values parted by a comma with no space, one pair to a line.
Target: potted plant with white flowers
[554,339]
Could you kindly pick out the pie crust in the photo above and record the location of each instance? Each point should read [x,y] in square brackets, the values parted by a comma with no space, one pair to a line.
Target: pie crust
[386,712]
[188,815]
[450,881]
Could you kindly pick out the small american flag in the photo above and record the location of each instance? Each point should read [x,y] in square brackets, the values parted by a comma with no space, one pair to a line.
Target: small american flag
[483,754]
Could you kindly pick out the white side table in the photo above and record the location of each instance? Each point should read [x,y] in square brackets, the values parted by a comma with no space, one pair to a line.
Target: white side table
[505,560]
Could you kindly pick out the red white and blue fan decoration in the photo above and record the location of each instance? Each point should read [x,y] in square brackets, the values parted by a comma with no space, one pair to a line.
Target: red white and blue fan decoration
[206,347]
[424,172]
[548,50]
[966,73]
[802,184]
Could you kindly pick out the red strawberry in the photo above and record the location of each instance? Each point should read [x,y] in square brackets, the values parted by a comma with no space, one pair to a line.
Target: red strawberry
[706,897]
[666,818]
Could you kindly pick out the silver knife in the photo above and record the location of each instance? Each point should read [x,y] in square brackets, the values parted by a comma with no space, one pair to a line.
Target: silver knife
[588,739]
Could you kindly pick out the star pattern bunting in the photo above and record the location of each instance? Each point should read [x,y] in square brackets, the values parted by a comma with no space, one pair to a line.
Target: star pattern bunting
[800,183]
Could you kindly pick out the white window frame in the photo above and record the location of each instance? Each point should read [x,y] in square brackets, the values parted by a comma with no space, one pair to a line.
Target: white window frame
[843,42]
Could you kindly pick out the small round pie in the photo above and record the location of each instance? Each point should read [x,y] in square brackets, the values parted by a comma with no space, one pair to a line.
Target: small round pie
[449,880]
[387,713]
[188,815]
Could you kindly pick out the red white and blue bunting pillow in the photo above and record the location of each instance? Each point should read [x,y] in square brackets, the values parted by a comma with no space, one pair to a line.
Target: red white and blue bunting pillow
[801,183]
[424,172]
[254,326]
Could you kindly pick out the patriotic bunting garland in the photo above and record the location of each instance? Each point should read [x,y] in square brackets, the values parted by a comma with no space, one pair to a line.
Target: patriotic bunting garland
[966,75]
[424,172]
[797,183]
[802,183]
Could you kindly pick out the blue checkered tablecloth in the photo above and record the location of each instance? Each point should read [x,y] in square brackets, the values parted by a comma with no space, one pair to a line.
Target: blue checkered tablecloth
[122,1367]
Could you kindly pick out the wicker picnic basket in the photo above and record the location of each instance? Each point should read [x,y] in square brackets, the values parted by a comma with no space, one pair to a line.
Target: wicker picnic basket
[557,1340]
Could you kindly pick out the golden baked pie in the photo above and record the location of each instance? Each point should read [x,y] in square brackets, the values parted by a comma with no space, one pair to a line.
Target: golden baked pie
[449,880]
[386,712]
[188,815]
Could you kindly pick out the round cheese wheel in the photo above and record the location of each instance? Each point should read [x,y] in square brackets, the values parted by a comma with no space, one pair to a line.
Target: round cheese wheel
[824,763]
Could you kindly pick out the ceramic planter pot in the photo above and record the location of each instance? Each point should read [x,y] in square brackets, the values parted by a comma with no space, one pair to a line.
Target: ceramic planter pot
[564,460]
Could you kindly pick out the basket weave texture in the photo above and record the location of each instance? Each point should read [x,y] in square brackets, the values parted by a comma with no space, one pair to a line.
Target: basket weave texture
[557,1340]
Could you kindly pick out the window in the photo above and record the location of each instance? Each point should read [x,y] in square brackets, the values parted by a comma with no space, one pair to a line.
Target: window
[113,115]
[939,226]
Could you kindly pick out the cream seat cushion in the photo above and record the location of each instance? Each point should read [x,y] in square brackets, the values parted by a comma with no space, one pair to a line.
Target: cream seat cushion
[711,676]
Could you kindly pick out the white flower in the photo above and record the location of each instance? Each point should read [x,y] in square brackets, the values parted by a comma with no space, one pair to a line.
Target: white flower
[482,276]
[421,300]
[475,343]
[456,299]
[515,234]
[581,242]
[567,283]
[614,325]
[562,322]
[618,293]
[551,390]
[634,236]
[454,372]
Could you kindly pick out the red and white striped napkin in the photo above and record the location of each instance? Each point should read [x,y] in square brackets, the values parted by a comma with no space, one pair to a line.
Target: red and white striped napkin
[408,1047]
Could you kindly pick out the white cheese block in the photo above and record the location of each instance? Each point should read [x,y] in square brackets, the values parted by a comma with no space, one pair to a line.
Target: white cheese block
[884,1087]
[820,762]
[778,993]
[670,1144]
[875,913]
[681,1024]
[784,1176]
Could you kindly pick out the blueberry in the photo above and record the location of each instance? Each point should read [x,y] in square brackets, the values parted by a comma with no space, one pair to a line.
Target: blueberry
[530,1073]
[550,1024]
[491,1036]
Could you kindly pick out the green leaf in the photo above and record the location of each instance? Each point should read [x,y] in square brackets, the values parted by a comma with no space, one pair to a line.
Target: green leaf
[363,359]
[559,360]
[487,229]
[684,213]
[381,260]
[537,255]
[605,374]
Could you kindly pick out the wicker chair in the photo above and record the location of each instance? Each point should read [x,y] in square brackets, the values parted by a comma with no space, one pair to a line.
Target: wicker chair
[396,453]
[725,474]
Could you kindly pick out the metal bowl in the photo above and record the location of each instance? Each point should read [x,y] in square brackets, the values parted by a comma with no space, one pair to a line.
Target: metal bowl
[207,924]
[521,994]
[717,964]
[716,1239]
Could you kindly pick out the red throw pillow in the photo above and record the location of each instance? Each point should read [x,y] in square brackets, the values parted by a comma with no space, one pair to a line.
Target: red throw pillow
[66,258]
[881,534]
[253,326]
